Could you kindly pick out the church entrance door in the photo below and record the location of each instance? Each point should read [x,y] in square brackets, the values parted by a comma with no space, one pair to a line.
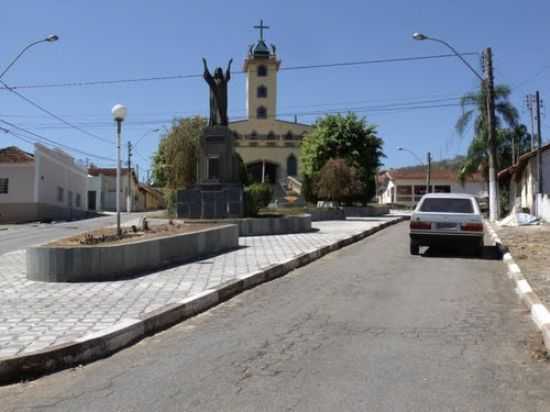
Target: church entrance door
[262,171]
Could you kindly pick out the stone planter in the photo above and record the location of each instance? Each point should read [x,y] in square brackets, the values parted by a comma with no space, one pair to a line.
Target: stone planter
[118,261]
[263,226]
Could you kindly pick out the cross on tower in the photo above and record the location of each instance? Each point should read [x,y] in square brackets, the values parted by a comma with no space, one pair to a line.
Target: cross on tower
[261,27]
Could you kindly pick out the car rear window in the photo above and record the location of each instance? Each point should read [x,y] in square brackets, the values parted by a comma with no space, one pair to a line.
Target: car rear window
[447,205]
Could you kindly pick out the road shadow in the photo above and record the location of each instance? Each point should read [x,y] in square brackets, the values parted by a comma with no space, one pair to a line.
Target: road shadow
[488,253]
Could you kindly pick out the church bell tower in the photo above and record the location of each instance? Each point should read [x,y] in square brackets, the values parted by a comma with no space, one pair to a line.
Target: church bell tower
[261,67]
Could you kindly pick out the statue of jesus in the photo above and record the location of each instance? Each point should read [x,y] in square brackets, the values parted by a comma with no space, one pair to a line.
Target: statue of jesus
[218,94]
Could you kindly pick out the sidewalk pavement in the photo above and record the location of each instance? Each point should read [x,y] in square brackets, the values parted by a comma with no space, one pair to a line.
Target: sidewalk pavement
[37,315]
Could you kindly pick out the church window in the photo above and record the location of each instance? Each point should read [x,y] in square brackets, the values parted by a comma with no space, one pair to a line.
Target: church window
[254,135]
[262,71]
[262,91]
[291,165]
[271,136]
[261,112]
[289,136]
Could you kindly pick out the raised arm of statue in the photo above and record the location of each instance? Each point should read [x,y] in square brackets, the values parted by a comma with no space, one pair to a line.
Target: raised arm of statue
[207,76]
[228,71]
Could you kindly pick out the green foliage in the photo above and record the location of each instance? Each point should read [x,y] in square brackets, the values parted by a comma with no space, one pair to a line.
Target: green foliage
[338,182]
[170,200]
[505,114]
[175,162]
[349,138]
[250,206]
[262,193]
[309,190]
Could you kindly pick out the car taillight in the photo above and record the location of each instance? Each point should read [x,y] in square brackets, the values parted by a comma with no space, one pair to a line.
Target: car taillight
[472,227]
[421,225]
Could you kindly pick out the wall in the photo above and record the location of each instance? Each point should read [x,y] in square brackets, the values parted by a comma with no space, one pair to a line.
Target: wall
[20,184]
[54,169]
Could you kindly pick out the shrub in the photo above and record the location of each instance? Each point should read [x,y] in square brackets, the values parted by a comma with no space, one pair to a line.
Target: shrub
[250,205]
[338,182]
[262,193]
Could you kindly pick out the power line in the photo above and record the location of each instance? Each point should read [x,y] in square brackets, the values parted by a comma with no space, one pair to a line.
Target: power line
[53,142]
[49,113]
[191,76]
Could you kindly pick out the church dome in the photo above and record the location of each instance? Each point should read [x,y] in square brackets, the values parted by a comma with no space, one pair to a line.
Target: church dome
[261,50]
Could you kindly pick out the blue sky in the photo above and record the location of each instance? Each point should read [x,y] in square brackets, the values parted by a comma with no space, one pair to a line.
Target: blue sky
[104,40]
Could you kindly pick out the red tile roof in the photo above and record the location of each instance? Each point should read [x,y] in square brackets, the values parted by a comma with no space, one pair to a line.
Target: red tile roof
[13,154]
[436,174]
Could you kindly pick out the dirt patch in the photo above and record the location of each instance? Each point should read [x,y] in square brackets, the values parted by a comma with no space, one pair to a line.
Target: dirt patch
[108,236]
[530,247]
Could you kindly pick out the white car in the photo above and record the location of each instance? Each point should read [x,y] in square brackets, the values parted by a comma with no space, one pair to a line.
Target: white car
[447,219]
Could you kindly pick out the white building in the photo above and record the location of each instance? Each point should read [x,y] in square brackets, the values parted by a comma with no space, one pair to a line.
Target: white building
[102,189]
[406,186]
[523,182]
[46,185]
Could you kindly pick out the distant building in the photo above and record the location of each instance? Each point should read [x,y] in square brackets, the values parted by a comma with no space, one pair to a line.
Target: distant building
[270,148]
[102,189]
[102,192]
[522,180]
[44,185]
[406,186]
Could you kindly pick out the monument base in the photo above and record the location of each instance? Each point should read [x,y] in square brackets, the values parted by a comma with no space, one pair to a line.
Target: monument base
[211,201]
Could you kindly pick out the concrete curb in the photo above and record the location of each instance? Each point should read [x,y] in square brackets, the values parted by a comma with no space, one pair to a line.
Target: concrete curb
[539,313]
[129,331]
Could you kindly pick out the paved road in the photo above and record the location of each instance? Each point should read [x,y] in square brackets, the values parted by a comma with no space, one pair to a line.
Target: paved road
[15,237]
[367,328]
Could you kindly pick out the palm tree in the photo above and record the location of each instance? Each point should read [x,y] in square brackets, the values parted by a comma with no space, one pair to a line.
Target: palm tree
[505,112]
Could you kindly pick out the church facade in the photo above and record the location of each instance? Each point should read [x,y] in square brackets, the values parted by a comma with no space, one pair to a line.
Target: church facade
[270,148]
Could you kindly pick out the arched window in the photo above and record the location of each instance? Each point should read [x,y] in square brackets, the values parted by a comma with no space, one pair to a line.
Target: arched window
[253,135]
[261,112]
[262,91]
[262,71]
[289,136]
[271,136]
[291,165]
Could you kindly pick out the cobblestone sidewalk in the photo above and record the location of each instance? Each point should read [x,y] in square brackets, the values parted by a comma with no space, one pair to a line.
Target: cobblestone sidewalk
[35,315]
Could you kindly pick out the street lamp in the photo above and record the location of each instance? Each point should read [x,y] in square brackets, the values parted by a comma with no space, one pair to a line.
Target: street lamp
[50,39]
[487,84]
[428,161]
[119,114]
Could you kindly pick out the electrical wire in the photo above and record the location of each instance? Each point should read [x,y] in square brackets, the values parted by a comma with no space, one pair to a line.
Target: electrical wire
[53,142]
[191,76]
[49,113]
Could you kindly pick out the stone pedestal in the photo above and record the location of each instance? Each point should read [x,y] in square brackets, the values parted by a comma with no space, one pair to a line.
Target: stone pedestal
[219,193]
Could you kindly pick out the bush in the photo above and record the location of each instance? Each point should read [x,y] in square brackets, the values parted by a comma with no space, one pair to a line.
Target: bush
[308,189]
[338,182]
[250,206]
[262,193]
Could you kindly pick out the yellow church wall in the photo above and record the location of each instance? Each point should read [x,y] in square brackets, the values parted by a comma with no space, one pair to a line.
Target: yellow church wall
[253,82]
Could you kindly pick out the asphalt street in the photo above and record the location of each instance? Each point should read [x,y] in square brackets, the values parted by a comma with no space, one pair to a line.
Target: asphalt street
[368,328]
[15,237]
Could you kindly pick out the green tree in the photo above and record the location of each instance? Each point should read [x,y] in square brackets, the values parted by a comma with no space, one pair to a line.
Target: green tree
[349,138]
[474,109]
[175,162]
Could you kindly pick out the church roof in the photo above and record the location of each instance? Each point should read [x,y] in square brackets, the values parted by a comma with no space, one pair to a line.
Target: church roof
[261,50]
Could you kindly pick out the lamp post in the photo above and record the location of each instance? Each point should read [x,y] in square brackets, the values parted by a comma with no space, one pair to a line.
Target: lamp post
[428,163]
[119,114]
[50,39]
[487,84]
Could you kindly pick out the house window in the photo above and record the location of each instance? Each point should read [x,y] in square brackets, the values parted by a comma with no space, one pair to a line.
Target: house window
[4,185]
[404,193]
[60,194]
[291,165]
[262,71]
[70,199]
[261,92]
[78,200]
[213,167]
[261,112]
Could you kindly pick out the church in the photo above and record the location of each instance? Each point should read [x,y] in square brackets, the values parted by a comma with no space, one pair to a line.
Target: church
[270,148]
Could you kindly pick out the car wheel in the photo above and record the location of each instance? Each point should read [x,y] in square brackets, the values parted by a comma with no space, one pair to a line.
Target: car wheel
[414,248]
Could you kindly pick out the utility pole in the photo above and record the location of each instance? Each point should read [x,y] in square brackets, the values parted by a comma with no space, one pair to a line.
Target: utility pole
[491,133]
[529,100]
[129,199]
[429,172]
[539,144]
